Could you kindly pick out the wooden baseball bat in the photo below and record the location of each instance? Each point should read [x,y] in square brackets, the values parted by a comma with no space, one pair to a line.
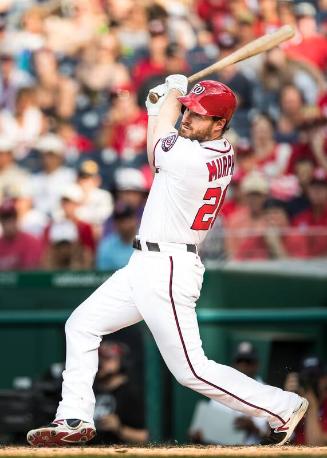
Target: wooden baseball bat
[261,44]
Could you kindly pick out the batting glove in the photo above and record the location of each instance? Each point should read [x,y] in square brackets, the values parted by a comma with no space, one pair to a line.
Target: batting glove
[154,108]
[178,82]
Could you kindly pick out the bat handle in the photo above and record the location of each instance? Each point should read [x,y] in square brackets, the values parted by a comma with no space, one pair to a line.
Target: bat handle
[153,97]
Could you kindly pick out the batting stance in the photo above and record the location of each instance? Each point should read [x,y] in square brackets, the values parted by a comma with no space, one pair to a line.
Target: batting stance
[161,284]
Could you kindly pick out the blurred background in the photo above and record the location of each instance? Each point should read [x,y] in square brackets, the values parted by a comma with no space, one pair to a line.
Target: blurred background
[74,179]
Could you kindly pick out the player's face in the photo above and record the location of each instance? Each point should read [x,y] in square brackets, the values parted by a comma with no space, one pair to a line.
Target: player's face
[198,127]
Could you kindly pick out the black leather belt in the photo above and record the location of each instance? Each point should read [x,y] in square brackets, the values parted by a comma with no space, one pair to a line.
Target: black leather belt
[153,246]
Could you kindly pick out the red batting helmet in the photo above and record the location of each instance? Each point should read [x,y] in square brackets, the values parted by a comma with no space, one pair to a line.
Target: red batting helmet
[211,98]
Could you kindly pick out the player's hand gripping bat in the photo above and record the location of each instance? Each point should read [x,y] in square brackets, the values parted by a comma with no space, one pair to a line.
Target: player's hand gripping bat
[253,48]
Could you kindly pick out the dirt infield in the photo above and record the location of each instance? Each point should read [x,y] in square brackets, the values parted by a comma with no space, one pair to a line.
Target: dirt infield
[221,452]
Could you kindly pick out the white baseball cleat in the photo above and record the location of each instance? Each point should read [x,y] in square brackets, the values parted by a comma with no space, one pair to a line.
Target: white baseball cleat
[62,433]
[279,436]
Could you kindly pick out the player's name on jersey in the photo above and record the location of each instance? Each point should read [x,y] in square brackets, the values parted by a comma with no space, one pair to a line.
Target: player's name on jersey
[221,167]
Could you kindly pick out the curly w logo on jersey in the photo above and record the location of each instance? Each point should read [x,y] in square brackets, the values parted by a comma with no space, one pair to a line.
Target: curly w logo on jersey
[168,142]
[198,89]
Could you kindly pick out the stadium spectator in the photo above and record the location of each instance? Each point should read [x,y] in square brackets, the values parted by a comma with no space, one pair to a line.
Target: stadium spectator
[312,142]
[100,68]
[11,79]
[312,223]
[278,239]
[115,250]
[291,107]
[24,124]
[119,409]
[47,184]
[304,171]
[311,45]
[130,185]
[64,251]
[239,83]
[10,172]
[71,200]
[18,250]
[265,155]
[155,62]
[30,219]
[311,381]
[97,204]
[245,227]
[125,128]
[56,93]
[276,71]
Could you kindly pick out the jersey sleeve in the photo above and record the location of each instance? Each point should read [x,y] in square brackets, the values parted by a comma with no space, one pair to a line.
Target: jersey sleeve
[172,152]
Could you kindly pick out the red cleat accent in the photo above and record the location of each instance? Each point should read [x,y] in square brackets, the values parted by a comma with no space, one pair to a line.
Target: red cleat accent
[61,434]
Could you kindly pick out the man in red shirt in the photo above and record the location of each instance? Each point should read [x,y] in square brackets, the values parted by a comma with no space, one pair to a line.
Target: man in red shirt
[309,46]
[313,221]
[126,126]
[18,250]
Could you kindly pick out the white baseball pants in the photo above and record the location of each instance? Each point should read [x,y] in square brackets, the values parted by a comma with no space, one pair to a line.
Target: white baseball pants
[161,289]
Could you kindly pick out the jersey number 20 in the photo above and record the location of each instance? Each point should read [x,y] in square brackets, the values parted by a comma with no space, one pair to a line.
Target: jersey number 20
[207,214]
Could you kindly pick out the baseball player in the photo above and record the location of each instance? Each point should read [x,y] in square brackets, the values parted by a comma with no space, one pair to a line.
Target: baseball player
[162,281]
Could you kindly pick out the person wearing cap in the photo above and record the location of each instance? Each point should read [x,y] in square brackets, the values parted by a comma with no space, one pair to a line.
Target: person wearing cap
[47,184]
[247,224]
[97,203]
[64,251]
[311,381]
[71,197]
[115,250]
[18,250]
[130,188]
[119,408]
[312,223]
[10,172]
[31,220]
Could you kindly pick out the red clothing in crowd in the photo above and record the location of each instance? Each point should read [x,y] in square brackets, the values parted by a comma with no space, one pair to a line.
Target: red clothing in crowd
[299,432]
[85,234]
[129,137]
[20,253]
[312,49]
[255,247]
[144,69]
[302,151]
[314,231]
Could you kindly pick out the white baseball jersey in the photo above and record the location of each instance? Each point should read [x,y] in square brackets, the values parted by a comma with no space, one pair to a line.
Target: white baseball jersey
[189,188]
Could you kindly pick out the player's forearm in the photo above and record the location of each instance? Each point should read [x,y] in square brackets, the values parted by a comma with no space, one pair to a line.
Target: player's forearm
[152,123]
[168,114]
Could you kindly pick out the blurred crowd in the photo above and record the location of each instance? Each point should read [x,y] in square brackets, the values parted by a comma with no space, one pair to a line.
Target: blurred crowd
[74,75]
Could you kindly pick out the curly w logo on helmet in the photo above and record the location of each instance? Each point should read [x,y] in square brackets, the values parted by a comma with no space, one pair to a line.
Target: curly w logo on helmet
[198,89]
